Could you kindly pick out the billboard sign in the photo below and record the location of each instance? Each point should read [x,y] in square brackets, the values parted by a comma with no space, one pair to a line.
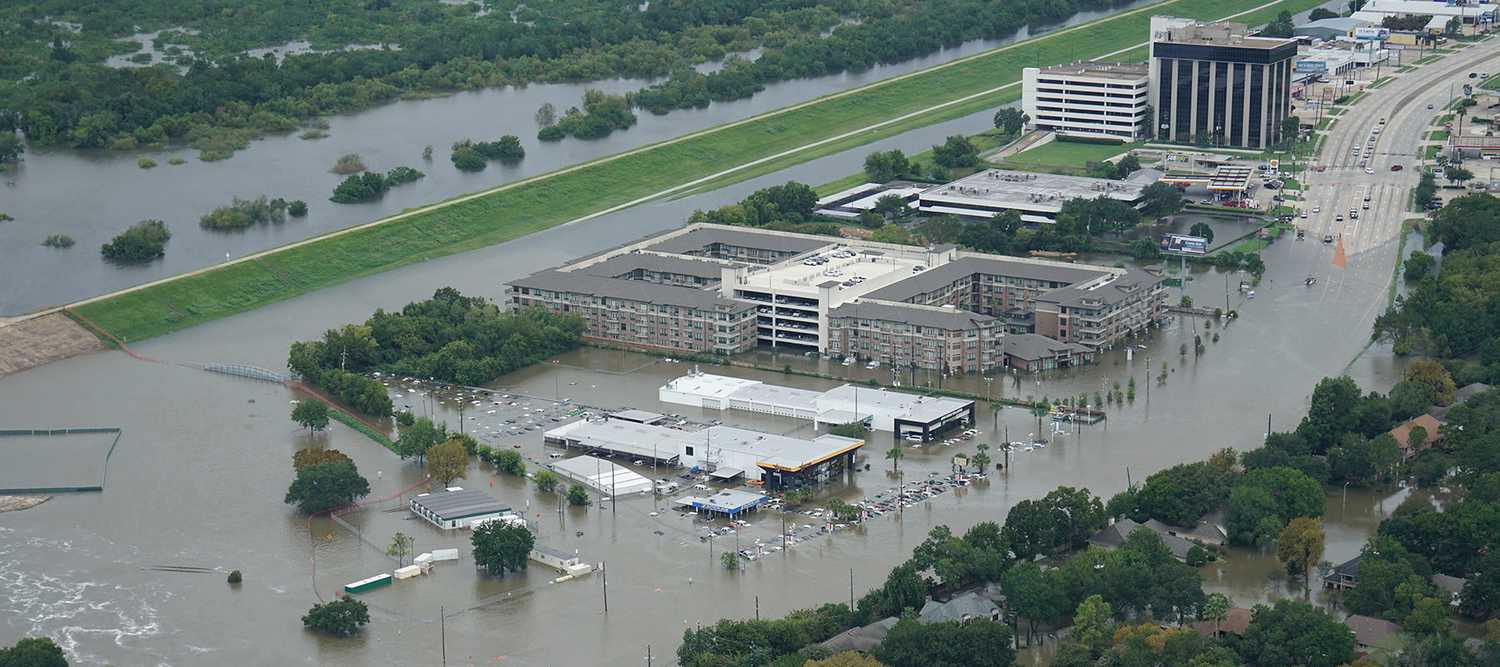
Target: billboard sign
[1371,33]
[1311,65]
[1188,245]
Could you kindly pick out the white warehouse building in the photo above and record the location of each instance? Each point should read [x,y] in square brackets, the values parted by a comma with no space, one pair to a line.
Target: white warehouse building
[1088,99]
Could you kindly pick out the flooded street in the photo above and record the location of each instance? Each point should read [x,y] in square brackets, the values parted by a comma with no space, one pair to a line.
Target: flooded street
[93,195]
[198,477]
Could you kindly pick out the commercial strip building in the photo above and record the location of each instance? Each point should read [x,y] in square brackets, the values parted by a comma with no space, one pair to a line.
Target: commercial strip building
[725,452]
[1467,13]
[883,410]
[1097,100]
[1038,198]
[1215,83]
[456,507]
[729,503]
[602,476]
[931,308]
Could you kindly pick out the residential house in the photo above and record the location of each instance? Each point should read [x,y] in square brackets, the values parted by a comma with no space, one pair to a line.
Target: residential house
[964,608]
[1234,623]
[1371,632]
[1344,576]
[1113,535]
[864,638]
[1402,434]
[1453,586]
[1460,397]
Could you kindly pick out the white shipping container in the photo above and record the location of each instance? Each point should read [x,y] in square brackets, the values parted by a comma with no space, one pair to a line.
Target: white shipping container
[444,554]
[409,572]
[422,559]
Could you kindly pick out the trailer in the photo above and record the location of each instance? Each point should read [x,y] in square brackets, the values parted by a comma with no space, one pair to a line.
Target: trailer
[367,584]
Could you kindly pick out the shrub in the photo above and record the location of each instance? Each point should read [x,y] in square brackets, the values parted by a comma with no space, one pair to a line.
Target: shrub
[142,242]
[58,241]
[146,163]
[348,164]
[245,213]
[467,159]
[297,208]
[402,176]
[364,187]
[577,495]
[234,577]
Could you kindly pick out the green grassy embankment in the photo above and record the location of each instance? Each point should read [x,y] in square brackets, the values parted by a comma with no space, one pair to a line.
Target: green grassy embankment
[548,200]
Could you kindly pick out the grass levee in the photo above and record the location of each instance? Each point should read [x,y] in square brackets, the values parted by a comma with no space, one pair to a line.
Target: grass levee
[535,204]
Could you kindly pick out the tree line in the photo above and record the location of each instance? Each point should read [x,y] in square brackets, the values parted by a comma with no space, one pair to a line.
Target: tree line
[450,338]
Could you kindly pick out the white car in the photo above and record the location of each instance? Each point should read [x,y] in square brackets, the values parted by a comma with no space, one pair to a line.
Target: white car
[1369,170]
[1317,209]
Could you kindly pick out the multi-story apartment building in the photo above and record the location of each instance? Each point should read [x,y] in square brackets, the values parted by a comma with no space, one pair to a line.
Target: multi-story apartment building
[645,301]
[1100,314]
[718,289]
[1215,84]
[906,335]
[1088,99]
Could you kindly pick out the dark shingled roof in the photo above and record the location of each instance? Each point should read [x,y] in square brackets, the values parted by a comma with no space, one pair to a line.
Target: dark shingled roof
[633,290]
[620,265]
[702,237]
[936,278]
[1124,287]
[923,316]
[1032,347]
[451,505]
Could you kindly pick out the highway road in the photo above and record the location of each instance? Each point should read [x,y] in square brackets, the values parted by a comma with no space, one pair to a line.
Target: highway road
[1402,105]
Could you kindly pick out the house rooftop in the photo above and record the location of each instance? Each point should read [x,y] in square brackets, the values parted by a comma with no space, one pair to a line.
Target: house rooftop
[1033,347]
[1370,631]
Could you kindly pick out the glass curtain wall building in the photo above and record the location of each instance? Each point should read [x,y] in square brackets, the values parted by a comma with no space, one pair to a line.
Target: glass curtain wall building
[1214,85]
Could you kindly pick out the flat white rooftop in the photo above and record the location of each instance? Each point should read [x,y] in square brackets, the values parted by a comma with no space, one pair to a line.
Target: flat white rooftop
[768,449]
[905,406]
[1026,191]
[707,385]
[850,276]
[602,476]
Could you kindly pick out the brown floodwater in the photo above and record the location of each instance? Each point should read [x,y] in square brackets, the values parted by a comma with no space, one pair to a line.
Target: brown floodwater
[198,477]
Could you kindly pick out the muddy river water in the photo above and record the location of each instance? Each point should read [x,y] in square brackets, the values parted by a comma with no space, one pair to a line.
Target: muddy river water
[199,474]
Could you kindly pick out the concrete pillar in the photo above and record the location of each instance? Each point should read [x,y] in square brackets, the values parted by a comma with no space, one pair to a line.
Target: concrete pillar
[1245,112]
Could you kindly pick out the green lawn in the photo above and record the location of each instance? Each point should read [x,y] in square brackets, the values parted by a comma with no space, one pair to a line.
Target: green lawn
[545,201]
[1492,83]
[1437,135]
[1431,152]
[1063,156]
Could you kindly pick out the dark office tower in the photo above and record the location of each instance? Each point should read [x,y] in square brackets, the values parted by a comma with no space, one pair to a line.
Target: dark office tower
[1212,84]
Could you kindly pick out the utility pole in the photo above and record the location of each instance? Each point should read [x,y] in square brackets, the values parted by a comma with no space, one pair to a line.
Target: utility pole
[604,573]
[648,655]
[851,589]
[757,606]
[443,629]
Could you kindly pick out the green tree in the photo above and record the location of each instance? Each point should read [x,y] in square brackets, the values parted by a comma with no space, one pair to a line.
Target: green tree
[311,413]
[340,618]
[1280,27]
[1161,200]
[884,166]
[977,643]
[894,454]
[577,495]
[447,461]
[416,439]
[33,652]
[1093,624]
[303,458]
[1318,14]
[546,481]
[401,547]
[326,486]
[296,208]
[1202,229]
[730,560]
[1457,174]
[1481,593]
[1429,616]
[142,242]
[510,462]
[1035,595]
[1417,266]
[11,147]
[1300,546]
[956,152]
[1011,120]
[1216,609]
[1331,413]
[500,547]
[892,234]
[1296,634]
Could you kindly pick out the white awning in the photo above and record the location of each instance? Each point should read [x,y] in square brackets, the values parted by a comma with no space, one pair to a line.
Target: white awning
[726,473]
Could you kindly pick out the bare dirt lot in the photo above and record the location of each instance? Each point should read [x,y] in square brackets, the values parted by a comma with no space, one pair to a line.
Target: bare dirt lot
[39,340]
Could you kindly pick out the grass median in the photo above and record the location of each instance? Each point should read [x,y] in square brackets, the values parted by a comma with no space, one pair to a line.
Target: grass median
[546,201]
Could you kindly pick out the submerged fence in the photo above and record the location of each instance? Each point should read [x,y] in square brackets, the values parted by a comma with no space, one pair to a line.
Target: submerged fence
[83,430]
